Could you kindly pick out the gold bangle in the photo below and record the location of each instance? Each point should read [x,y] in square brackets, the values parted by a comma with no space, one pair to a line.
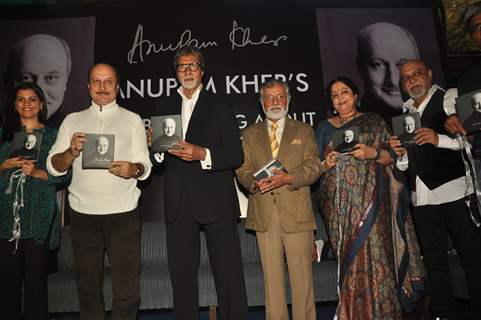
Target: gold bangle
[323,164]
[378,154]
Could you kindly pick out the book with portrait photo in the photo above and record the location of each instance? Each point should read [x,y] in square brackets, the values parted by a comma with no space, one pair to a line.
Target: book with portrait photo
[266,170]
[26,145]
[404,127]
[98,151]
[468,108]
[344,140]
[167,130]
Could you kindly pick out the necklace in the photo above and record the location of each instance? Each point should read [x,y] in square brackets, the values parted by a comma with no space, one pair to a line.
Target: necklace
[347,119]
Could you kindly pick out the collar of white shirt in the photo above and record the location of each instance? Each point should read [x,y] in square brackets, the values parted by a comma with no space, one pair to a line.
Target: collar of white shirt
[409,105]
[192,99]
[108,108]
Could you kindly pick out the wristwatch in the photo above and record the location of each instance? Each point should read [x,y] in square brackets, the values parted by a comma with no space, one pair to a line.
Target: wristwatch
[139,170]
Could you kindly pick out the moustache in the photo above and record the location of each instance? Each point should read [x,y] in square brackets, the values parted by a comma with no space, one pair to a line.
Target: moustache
[103,92]
[276,109]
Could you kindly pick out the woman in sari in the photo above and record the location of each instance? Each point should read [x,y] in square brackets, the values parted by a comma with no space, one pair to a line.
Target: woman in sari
[365,208]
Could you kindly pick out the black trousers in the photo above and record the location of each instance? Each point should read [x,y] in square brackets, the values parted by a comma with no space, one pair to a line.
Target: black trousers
[183,249]
[29,265]
[433,223]
[118,235]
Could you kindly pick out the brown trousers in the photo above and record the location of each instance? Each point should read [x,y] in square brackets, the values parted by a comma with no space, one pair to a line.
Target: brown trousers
[297,247]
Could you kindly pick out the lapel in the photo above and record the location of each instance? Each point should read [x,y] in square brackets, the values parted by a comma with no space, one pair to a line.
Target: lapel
[177,104]
[287,136]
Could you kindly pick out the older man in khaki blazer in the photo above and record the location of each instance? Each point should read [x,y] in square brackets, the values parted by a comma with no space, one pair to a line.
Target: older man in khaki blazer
[280,209]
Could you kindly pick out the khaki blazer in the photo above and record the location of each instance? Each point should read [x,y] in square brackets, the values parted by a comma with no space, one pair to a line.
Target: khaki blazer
[299,154]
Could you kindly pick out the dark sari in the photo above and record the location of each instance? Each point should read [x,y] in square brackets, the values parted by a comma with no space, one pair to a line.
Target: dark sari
[366,211]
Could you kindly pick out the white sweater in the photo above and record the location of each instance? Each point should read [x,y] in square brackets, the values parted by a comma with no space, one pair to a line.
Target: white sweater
[96,191]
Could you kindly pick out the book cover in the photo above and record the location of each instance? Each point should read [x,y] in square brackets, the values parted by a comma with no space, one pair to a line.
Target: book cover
[26,145]
[98,151]
[266,170]
[344,140]
[404,127]
[167,130]
[468,108]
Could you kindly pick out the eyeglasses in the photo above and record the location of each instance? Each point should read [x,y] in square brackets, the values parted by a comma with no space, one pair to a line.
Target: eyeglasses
[193,66]
[475,28]
[274,98]
[29,100]
[340,93]
[415,75]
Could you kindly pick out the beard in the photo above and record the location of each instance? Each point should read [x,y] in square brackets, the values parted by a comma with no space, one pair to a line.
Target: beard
[276,112]
[417,92]
[189,83]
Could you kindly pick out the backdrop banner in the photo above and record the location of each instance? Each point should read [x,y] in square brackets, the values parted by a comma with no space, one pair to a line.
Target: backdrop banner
[243,47]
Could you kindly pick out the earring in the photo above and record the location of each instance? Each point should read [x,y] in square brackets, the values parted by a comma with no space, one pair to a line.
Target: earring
[358,103]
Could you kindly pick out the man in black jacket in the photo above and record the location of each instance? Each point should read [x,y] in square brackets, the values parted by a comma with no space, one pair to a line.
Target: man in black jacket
[437,175]
[201,193]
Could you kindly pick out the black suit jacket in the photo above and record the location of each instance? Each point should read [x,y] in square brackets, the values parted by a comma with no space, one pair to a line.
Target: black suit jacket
[209,195]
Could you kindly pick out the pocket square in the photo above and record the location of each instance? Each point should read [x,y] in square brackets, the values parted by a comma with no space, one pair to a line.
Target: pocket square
[296,141]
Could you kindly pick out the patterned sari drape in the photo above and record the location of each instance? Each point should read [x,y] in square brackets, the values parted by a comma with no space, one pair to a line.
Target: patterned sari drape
[367,213]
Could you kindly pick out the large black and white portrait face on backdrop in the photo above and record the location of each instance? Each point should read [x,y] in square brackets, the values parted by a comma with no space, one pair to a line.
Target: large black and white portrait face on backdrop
[54,53]
[372,47]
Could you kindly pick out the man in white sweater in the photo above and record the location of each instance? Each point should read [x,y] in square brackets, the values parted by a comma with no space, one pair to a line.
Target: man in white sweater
[103,202]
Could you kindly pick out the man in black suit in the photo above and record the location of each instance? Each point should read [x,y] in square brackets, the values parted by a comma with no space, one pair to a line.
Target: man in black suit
[435,168]
[201,193]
